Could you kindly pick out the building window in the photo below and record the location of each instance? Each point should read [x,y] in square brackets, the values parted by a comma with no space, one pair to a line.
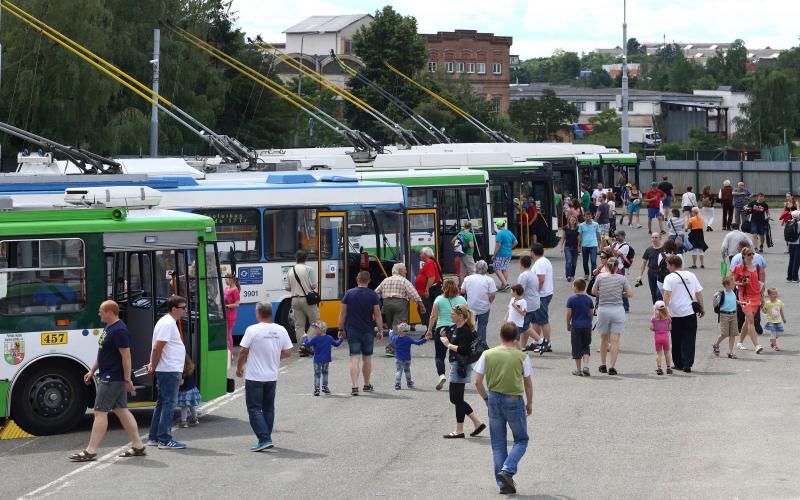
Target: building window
[348,46]
[460,67]
[496,101]
[497,69]
[481,68]
[432,67]
[601,106]
[580,105]
[470,68]
[449,67]
[630,105]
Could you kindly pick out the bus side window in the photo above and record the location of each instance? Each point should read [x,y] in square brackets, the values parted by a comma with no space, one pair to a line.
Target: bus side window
[241,229]
[288,230]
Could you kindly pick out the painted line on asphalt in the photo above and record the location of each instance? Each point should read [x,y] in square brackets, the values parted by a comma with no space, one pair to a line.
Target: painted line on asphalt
[110,458]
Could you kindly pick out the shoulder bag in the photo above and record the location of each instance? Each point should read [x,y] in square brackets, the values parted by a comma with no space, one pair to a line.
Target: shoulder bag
[436,288]
[696,306]
[312,297]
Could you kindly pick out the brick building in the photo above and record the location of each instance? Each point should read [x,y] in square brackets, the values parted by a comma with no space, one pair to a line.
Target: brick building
[482,57]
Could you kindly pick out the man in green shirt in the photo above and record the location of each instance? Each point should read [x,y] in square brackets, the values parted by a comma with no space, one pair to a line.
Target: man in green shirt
[586,198]
[508,373]
[467,265]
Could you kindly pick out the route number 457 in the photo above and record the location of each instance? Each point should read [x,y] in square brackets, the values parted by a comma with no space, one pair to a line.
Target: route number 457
[54,338]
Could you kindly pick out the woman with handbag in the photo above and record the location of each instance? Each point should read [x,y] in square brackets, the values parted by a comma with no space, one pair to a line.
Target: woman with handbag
[457,340]
[428,282]
[684,299]
[302,284]
[441,318]
[697,239]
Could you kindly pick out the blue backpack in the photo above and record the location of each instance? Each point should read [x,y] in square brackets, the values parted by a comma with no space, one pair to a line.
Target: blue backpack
[460,245]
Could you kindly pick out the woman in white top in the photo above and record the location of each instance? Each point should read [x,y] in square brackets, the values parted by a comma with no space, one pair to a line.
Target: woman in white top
[688,202]
[676,226]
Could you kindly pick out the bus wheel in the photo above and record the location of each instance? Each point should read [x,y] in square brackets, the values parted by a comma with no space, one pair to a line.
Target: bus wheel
[50,398]
[286,318]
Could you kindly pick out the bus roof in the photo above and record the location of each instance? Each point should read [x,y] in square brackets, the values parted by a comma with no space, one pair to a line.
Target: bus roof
[30,222]
[428,178]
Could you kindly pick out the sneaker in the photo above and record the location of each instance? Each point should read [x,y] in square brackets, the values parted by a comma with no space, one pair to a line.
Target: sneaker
[759,349]
[612,371]
[354,391]
[741,346]
[602,369]
[368,388]
[669,371]
[507,480]
[577,373]
[397,387]
[325,389]
[440,383]
[390,350]
[715,348]
[262,445]
[775,347]
[193,421]
[316,392]
[687,369]
[659,371]
[183,425]
[171,445]
[152,442]
[731,355]
[586,372]
[546,347]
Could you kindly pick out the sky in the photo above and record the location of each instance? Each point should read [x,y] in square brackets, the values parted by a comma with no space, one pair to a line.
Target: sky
[540,27]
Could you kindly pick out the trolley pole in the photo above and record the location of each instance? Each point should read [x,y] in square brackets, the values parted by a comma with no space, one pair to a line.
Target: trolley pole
[154,108]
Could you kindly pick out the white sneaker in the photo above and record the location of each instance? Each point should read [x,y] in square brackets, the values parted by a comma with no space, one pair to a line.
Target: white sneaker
[759,349]
[440,384]
[741,346]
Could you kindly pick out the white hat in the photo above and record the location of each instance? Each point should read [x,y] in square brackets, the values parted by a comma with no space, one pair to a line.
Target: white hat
[659,305]
[795,214]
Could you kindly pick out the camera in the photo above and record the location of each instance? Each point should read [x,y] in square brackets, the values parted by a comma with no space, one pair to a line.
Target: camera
[745,279]
[638,283]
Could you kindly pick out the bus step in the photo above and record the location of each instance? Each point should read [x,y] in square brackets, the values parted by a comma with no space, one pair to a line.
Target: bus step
[12,431]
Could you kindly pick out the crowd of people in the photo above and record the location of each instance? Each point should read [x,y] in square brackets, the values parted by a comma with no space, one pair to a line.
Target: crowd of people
[456,311]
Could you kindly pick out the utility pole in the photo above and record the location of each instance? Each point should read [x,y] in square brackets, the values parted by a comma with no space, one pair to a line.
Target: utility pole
[624,139]
[156,61]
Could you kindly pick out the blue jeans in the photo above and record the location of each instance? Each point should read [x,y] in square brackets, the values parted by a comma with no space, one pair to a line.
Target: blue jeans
[260,400]
[652,280]
[483,321]
[400,366]
[570,261]
[625,303]
[320,370]
[589,253]
[507,411]
[168,384]
[794,262]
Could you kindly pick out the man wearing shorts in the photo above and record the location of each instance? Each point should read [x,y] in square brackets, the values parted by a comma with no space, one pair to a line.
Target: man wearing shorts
[505,241]
[543,269]
[113,367]
[360,314]
[653,199]
[467,260]
[666,187]
[530,292]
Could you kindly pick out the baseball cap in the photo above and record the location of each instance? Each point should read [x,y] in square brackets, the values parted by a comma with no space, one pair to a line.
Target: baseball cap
[795,214]
[659,305]
[500,222]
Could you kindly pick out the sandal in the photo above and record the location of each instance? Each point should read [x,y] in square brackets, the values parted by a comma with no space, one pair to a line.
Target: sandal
[453,435]
[478,430]
[732,355]
[83,456]
[134,452]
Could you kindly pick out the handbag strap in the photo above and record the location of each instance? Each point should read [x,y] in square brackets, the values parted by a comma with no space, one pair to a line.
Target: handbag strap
[299,282]
[684,285]
[438,269]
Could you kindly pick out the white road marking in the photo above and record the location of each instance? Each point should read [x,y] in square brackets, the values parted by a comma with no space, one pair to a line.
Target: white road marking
[110,458]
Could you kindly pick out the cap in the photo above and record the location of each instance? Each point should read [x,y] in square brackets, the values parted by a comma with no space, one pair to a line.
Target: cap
[403,328]
[659,305]
[654,184]
[500,222]
[795,214]
[320,325]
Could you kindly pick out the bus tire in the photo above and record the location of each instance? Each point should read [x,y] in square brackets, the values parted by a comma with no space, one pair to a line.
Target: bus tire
[50,397]
[285,318]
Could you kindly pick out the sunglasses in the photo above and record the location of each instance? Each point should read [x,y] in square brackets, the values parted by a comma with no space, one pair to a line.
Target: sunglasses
[747,254]
[181,307]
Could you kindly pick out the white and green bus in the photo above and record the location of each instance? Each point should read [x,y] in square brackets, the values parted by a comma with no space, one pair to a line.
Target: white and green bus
[58,264]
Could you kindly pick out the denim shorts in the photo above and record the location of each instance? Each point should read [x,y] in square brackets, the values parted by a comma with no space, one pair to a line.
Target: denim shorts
[360,343]
[541,316]
[758,228]
[530,318]
[774,327]
[653,213]
[454,377]
[112,394]
[501,262]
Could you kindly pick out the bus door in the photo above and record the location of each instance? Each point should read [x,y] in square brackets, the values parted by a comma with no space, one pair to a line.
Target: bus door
[333,266]
[143,277]
[422,224]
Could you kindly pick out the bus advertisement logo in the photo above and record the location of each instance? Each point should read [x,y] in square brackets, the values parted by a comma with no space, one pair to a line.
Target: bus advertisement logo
[14,348]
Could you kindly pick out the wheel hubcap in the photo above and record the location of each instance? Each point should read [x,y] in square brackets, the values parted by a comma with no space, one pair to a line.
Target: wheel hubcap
[50,396]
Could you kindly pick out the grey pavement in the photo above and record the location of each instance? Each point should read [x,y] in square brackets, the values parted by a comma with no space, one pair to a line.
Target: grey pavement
[727,430]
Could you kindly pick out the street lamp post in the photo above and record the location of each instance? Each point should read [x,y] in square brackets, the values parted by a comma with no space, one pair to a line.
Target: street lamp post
[624,139]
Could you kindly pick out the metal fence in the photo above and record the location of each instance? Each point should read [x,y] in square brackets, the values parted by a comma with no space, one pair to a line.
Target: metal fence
[773,178]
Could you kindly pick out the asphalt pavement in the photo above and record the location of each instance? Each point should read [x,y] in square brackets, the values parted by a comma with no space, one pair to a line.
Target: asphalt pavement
[726,430]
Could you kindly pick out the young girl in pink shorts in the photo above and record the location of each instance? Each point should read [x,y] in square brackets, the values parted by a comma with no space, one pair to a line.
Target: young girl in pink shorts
[660,325]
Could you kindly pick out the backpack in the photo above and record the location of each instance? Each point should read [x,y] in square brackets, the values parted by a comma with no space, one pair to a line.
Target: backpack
[459,245]
[790,232]
[629,257]
[662,269]
[718,306]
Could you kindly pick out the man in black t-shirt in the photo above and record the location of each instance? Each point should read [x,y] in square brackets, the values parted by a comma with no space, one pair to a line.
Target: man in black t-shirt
[650,262]
[113,367]
[667,187]
[759,213]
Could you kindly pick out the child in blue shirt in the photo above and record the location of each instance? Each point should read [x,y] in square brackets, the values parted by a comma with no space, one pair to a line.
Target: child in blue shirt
[322,344]
[402,354]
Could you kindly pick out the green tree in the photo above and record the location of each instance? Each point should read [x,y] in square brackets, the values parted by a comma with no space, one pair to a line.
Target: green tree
[606,121]
[682,74]
[566,67]
[600,80]
[701,140]
[540,119]
[773,105]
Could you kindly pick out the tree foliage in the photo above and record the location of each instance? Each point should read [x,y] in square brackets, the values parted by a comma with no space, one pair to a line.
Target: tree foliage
[540,119]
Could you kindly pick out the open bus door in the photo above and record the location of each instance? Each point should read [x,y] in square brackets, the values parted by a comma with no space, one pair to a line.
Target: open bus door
[422,232]
[333,264]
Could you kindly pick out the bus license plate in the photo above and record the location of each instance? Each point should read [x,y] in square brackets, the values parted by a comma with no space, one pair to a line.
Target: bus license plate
[54,338]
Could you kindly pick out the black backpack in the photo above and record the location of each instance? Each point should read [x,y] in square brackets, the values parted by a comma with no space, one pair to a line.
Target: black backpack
[662,269]
[630,256]
[718,306]
[790,232]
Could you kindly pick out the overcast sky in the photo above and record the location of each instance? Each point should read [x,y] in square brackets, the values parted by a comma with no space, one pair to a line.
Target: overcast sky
[539,27]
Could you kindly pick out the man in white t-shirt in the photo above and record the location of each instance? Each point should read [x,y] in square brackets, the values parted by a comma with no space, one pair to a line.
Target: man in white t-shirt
[167,361]
[543,270]
[481,290]
[681,288]
[262,348]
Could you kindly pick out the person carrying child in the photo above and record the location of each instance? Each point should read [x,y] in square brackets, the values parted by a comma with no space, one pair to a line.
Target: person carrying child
[660,325]
[773,308]
[402,354]
[725,305]
[580,309]
[189,395]
[322,343]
